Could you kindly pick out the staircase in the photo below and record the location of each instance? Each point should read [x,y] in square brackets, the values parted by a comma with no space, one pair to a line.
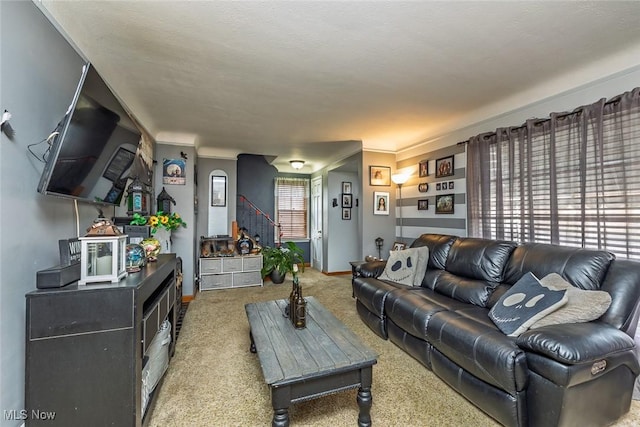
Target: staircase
[257,223]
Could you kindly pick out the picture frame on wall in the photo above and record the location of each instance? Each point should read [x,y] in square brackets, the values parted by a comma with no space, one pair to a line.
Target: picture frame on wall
[423,187]
[445,166]
[347,200]
[381,203]
[346,213]
[398,246]
[438,186]
[346,187]
[423,168]
[445,203]
[423,204]
[380,176]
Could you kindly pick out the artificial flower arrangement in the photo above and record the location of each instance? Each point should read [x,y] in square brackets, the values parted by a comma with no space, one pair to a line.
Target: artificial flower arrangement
[159,220]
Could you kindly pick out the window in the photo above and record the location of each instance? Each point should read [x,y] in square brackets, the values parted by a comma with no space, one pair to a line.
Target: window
[292,207]
[572,179]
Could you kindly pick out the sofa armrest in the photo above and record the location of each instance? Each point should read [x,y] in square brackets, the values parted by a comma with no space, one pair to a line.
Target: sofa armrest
[371,268]
[576,343]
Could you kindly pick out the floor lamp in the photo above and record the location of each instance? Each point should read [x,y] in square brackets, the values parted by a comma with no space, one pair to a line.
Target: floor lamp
[399,179]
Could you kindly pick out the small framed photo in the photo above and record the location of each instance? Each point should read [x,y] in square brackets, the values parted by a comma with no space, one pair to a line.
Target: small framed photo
[450,185]
[347,200]
[398,246]
[445,167]
[445,204]
[438,186]
[380,203]
[346,213]
[346,187]
[423,187]
[423,168]
[423,204]
[380,175]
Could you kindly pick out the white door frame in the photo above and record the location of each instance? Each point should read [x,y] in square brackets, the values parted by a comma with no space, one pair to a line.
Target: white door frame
[316,223]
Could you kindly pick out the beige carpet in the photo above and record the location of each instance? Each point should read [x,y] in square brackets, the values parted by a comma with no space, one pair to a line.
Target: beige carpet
[213,379]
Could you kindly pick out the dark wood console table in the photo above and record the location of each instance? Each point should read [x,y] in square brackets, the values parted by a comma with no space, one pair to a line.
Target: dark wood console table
[85,346]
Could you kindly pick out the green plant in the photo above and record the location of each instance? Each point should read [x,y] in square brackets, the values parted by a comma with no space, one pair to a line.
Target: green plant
[282,258]
[159,220]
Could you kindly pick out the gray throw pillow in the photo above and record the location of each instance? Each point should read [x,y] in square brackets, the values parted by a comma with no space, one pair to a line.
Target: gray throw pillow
[401,267]
[525,303]
[582,306]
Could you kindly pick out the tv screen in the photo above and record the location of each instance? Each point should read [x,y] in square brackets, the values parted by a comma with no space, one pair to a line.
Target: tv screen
[92,155]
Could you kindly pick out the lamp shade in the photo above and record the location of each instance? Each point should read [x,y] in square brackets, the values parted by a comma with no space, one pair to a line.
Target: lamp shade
[399,178]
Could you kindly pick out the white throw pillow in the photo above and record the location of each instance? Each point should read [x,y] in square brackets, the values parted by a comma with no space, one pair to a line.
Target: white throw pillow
[401,267]
[582,306]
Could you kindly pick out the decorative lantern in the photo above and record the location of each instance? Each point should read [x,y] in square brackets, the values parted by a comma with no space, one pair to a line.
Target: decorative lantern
[103,252]
[164,202]
[138,198]
[379,243]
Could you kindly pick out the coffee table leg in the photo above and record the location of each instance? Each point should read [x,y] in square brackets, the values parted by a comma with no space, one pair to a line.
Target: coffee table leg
[280,418]
[252,348]
[365,401]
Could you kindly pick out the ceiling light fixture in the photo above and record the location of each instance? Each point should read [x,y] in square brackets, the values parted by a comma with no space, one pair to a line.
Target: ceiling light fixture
[297,164]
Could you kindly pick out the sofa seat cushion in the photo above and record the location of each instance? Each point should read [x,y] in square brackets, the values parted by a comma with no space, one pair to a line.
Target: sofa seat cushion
[411,310]
[371,293]
[480,349]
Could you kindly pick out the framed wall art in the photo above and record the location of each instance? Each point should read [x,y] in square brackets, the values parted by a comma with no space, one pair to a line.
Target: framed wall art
[346,187]
[398,246]
[423,168]
[174,171]
[423,187]
[445,204]
[423,204]
[445,167]
[380,175]
[346,213]
[380,203]
[347,200]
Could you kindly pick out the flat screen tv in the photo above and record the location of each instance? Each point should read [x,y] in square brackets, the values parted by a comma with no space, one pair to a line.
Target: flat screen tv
[91,157]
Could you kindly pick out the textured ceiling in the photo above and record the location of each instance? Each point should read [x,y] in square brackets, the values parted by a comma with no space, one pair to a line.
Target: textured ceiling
[317,80]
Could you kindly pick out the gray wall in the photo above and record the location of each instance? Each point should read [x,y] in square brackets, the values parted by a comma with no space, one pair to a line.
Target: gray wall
[39,74]
[183,240]
[342,235]
[374,226]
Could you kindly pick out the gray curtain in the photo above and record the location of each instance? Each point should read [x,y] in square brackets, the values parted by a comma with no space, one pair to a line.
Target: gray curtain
[572,178]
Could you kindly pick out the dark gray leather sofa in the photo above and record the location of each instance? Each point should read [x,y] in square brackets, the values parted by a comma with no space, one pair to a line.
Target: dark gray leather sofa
[569,374]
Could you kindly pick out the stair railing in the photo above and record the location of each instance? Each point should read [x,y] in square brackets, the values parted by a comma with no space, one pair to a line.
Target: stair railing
[258,222]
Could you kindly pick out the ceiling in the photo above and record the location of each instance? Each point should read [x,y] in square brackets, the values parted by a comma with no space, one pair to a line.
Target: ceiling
[320,80]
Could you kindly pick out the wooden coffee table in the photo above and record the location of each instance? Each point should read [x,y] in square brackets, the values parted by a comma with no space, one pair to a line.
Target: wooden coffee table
[302,364]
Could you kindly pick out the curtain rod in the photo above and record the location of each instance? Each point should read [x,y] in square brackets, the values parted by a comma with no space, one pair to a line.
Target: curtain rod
[578,110]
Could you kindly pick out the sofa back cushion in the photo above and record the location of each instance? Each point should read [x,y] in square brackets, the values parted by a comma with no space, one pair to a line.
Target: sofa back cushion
[583,268]
[480,259]
[439,246]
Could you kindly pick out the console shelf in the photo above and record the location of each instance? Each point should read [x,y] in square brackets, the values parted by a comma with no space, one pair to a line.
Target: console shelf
[85,346]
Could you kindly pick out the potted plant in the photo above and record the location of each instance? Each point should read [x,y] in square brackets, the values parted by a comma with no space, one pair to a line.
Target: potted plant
[278,261]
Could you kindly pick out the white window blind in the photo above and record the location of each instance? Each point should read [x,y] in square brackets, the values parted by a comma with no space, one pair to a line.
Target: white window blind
[292,207]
